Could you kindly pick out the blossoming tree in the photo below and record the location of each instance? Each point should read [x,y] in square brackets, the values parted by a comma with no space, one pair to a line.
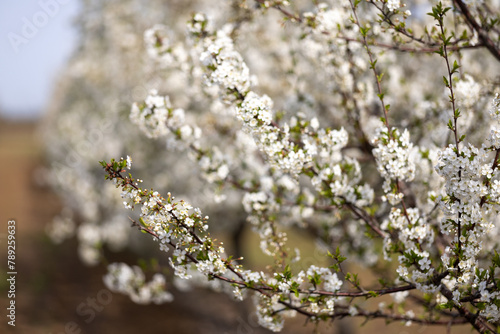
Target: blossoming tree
[371,126]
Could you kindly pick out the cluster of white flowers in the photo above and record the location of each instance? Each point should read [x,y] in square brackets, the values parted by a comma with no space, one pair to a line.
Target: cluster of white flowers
[323,146]
[340,61]
[161,47]
[337,174]
[494,111]
[416,235]
[495,108]
[395,163]
[255,111]
[260,206]
[152,116]
[271,313]
[283,154]
[227,69]
[215,166]
[467,91]
[463,170]
[327,20]
[267,314]
[198,24]
[330,280]
[175,225]
[157,43]
[395,5]
[392,153]
[471,200]
[131,281]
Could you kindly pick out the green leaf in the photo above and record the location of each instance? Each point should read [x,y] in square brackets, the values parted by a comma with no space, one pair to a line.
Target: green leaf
[446,83]
[446,41]
[496,259]
[464,35]
[287,273]
[480,305]
[364,31]
[455,67]
[440,51]
[450,125]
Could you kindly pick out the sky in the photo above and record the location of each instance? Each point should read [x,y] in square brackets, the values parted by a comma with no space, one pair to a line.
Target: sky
[36,39]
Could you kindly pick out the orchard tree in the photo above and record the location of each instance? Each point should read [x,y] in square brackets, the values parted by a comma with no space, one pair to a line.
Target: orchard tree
[370,126]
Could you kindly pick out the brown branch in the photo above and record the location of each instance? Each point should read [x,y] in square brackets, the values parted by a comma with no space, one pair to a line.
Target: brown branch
[432,47]
[398,47]
[400,317]
[477,321]
[361,214]
[482,34]
[282,10]
[386,17]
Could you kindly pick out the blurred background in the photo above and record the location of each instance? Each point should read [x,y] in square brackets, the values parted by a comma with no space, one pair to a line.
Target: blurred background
[36,42]
[40,43]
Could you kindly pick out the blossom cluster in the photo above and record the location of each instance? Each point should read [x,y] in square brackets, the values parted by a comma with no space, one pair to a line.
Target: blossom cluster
[393,156]
[174,224]
[227,69]
[155,117]
[415,236]
[131,281]
[494,137]
[470,203]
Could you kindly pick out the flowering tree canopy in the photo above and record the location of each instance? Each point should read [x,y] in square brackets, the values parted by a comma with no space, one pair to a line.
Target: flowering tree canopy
[373,127]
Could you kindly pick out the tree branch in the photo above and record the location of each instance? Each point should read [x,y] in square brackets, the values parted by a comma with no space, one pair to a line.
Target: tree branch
[482,34]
